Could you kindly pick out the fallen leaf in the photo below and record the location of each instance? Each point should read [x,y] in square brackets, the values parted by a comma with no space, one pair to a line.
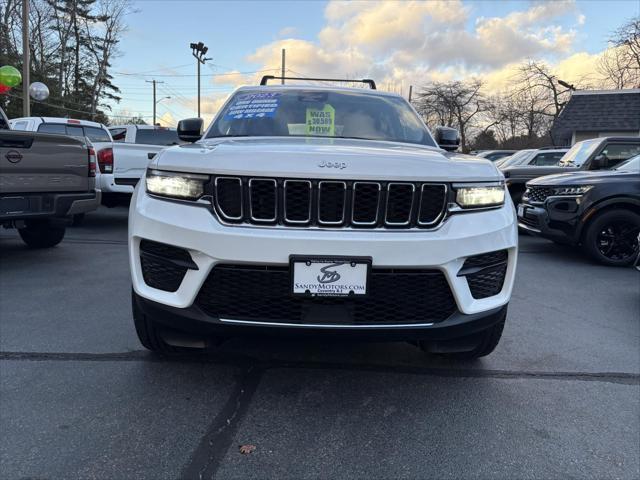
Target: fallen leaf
[247,449]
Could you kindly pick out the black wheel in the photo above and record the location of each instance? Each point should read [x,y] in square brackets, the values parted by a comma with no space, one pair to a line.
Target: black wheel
[77,219]
[41,234]
[482,344]
[109,201]
[612,237]
[148,331]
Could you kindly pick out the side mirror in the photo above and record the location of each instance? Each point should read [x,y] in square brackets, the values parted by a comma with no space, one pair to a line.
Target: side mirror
[599,162]
[447,138]
[190,129]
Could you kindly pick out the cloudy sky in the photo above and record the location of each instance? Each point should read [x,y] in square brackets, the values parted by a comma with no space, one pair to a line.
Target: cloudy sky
[398,43]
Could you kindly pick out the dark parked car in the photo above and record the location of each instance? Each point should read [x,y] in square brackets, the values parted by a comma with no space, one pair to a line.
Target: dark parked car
[593,154]
[598,210]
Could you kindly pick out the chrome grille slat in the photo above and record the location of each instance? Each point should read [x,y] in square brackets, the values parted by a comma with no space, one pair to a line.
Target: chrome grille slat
[424,204]
[258,199]
[289,191]
[394,189]
[359,206]
[329,204]
[222,194]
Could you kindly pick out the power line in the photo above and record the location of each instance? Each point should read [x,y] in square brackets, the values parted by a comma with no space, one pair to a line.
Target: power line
[193,75]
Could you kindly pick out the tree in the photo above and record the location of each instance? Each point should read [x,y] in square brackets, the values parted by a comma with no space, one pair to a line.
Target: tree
[454,104]
[72,45]
[620,64]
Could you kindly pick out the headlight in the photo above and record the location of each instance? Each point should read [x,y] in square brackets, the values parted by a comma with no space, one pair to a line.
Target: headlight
[579,190]
[188,186]
[477,197]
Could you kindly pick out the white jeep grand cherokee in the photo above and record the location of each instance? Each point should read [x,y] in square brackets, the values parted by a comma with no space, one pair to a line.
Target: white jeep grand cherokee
[321,210]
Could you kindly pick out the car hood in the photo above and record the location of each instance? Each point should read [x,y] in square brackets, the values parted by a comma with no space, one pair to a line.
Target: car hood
[578,178]
[324,158]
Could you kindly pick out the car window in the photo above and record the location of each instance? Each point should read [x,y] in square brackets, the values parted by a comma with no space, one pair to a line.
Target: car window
[96,134]
[631,165]
[118,134]
[20,125]
[157,136]
[56,128]
[497,155]
[614,153]
[579,153]
[318,113]
[546,159]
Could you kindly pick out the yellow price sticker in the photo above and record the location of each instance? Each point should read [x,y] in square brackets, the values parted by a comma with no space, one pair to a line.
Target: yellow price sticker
[321,121]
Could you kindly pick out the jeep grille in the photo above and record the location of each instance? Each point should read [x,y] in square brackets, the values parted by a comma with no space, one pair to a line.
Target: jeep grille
[329,203]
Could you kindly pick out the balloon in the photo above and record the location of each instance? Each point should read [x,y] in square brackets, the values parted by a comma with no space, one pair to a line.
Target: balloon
[10,76]
[38,91]
[4,89]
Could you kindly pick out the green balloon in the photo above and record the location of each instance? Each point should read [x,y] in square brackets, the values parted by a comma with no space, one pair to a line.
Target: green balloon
[10,76]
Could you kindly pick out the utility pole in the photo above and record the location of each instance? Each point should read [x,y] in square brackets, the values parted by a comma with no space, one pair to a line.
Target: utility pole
[26,60]
[283,64]
[154,82]
[199,50]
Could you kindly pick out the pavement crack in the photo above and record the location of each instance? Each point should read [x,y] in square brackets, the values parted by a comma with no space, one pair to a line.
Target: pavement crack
[249,362]
[214,445]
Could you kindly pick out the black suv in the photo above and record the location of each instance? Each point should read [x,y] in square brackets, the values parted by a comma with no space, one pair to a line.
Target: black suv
[598,210]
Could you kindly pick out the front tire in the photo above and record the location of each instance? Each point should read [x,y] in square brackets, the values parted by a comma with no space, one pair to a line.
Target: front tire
[148,331]
[41,234]
[612,238]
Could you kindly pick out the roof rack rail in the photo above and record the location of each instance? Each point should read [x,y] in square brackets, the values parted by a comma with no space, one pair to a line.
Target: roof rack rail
[552,147]
[368,81]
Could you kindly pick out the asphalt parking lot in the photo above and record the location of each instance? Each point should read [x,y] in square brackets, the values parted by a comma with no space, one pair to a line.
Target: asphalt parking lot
[559,398]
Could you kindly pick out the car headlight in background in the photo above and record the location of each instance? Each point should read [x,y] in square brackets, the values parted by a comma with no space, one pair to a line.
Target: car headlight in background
[575,190]
[186,186]
[478,197]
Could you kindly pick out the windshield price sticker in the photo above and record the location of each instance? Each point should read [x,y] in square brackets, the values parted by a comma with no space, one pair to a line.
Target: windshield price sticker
[321,121]
[254,105]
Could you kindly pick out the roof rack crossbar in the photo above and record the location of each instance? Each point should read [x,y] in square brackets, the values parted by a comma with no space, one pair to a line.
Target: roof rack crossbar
[368,81]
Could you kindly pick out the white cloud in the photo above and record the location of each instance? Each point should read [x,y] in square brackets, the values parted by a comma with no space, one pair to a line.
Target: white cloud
[411,42]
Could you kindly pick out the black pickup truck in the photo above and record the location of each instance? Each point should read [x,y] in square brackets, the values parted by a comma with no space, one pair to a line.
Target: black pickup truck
[593,154]
[44,180]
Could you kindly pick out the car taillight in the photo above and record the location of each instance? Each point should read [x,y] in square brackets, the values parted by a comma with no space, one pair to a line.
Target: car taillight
[92,162]
[105,160]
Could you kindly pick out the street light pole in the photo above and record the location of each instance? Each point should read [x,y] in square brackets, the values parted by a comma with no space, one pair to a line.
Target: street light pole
[199,50]
[26,60]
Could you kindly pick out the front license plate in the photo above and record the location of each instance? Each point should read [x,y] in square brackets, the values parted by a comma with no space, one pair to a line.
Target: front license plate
[521,210]
[330,277]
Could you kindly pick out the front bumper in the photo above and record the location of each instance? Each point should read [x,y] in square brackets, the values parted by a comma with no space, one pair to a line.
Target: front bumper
[196,229]
[193,320]
[558,218]
[44,205]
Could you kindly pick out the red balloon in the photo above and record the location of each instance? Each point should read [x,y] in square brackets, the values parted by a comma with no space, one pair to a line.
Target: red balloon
[4,89]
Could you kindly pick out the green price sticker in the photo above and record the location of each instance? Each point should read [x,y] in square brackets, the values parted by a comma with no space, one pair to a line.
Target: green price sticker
[321,122]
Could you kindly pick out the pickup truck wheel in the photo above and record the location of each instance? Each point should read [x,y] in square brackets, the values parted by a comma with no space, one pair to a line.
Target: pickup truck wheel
[41,234]
[77,219]
[485,343]
[612,237]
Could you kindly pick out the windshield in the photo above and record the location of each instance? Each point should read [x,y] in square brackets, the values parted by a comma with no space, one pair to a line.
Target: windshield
[579,153]
[317,113]
[514,159]
[631,165]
